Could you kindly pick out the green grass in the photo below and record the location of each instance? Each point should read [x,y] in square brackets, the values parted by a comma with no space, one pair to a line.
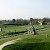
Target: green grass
[12,29]
[31,42]
[18,28]
[40,26]
[21,28]
[41,34]
[3,40]
[28,46]
[28,38]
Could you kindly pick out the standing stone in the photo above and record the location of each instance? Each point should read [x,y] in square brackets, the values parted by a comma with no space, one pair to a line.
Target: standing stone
[1,29]
[30,30]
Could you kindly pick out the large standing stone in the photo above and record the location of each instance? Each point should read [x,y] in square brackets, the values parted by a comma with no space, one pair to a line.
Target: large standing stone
[30,30]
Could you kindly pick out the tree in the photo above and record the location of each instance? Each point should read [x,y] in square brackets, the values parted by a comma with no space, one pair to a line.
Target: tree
[25,22]
[31,20]
[1,23]
[22,22]
[13,20]
[19,21]
[34,21]
[45,21]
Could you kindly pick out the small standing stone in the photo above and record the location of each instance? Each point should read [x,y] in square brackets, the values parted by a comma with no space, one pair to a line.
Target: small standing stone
[1,29]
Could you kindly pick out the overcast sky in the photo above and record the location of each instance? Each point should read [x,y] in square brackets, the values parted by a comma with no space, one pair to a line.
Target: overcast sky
[25,9]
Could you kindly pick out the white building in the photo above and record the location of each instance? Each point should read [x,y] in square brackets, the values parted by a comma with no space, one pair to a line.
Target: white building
[40,22]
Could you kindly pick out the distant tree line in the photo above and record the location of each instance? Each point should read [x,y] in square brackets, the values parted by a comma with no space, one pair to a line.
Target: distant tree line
[16,22]
[25,21]
[34,21]
[20,22]
[44,21]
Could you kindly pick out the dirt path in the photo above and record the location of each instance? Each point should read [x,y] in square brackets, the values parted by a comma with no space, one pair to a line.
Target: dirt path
[8,43]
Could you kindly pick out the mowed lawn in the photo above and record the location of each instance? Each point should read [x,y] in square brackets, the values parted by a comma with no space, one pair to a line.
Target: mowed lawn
[31,42]
[12,29]
[41,34]
[21,28]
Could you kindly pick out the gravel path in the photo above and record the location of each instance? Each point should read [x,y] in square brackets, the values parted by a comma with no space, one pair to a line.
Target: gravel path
[8,43]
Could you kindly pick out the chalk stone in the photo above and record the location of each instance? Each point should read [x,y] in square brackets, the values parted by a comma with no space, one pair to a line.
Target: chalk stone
[30,30]
[0,29]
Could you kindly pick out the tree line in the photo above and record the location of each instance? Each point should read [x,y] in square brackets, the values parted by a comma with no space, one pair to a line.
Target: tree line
[25,21]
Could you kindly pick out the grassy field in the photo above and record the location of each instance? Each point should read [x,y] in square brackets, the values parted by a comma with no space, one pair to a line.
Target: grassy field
[18,28]
[30,42]
[41,33]
[42,36]
[21,28]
